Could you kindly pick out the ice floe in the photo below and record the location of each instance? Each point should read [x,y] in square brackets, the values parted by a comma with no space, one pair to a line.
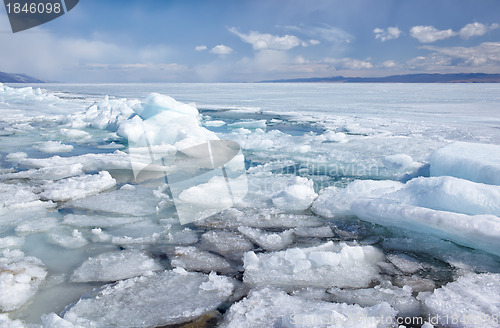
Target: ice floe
[270,241]
[114,266]
[169,297]
[296,196]
[326,265]
[194,259]
[77,187]
[471,301]
[476,231]
[51,147]
[20,278]
[471,161]
[335,201]
[270,307]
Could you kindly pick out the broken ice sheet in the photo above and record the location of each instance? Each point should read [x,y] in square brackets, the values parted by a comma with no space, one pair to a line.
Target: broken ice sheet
[20,278]
[474,299]
[270,241]
[326,265]
[194,259]
[113,266]
[269,307]
[166,298]
[128,200]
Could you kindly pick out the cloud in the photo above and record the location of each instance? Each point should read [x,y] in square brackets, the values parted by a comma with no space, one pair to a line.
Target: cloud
[487,53]
[314,42]
[324,32]
[201,48]
[265,41]
[387,34]
[349,63]
[429,34]
[221,50]
[484,57]
[475,29]
[389,64]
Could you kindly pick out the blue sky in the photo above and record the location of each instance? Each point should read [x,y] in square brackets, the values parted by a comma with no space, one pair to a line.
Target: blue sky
[252,40]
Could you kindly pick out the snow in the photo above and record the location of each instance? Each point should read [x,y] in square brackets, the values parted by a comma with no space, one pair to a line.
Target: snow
[476,231]
[52,147]
[466,160]
[113,266]
[335,201]
[472,300]
[194,259]
[77,187]
[326,265]
[20,278]
[269,307]
[166,298]
[296,196]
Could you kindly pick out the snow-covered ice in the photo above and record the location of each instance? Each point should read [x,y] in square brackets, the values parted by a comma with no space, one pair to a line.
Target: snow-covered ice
[471,161]
[353,199]
[160,299]
[471,301]
[20,278]
[326,265]
[270,307]
[114,266]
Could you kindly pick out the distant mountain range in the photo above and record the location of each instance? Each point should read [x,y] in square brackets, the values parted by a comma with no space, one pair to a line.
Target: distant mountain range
[409,78]
[18,78]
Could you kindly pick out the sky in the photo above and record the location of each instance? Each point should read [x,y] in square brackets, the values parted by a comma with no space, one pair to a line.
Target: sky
[114,41]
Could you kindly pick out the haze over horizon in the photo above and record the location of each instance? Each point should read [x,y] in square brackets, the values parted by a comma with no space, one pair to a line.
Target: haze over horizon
[252,40]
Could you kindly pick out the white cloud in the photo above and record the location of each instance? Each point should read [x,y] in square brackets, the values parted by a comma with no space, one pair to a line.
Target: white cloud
[475,29]
[387,34]
[484,57]
[201,48]
[221,50]
[265,41]
[429,34]
[389,64]
[323,32]
[487,53]
[349,63]
[314,42]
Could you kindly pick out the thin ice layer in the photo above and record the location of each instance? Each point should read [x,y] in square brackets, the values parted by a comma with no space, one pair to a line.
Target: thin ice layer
[326,265]
[270,307]
[473,300]
[471,161]
[113,266]
[166,298]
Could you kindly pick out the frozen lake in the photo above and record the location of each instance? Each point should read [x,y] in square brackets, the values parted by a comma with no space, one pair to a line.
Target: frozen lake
[253,205]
